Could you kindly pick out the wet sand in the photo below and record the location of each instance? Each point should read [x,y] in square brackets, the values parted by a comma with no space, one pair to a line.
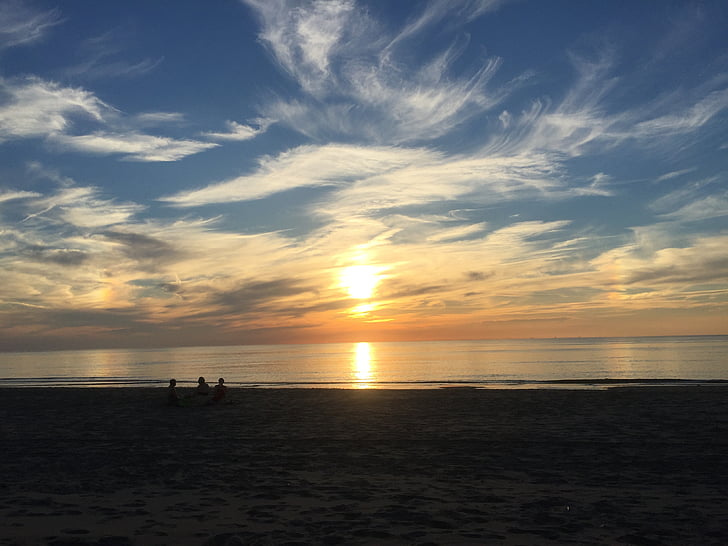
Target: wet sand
[297,466]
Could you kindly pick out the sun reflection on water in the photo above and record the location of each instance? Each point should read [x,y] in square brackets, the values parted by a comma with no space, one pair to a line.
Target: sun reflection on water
[362,365]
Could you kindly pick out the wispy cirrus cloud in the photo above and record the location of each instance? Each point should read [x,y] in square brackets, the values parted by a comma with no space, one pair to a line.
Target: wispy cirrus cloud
[688,118]
[694,201]
[78,206]
[35,108]
[704,208]
[366,178]
[239,131]
[11,195]
[588,120]
[133,146]
[20,24]
[306,166]
[104,57]
[650,263]
[354,82]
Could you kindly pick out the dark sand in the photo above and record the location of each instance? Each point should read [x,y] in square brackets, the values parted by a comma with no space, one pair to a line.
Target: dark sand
[296,466]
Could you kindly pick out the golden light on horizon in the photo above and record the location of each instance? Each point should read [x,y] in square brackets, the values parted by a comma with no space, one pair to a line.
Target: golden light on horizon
[362,309]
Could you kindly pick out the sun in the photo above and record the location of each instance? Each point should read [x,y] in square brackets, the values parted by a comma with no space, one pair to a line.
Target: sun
[360,281]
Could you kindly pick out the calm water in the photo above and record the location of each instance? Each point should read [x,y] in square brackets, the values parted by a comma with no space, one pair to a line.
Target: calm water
[512,363]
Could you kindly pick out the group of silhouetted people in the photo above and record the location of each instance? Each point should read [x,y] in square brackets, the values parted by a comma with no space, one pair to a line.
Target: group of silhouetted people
[203,394]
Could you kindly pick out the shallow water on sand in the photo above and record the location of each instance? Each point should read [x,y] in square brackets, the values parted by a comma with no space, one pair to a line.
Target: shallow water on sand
[539,363]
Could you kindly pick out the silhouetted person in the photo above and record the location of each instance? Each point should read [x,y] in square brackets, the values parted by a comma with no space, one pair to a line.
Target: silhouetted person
[173,398]
[219,392]
[203,389]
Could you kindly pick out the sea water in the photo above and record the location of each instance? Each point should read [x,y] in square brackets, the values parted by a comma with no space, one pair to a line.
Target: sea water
[540,363]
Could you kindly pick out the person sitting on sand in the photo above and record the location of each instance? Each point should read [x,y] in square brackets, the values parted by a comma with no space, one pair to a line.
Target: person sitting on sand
[203,389]
[173,398]
[218,393]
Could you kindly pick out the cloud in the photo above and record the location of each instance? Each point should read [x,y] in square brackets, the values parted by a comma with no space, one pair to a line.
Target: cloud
[238,131]
[694,201]
[455,233]
[711,206]
[260,294]
[597,186]
[354,82]
[133,146]
[11,195]
[21,25]
[34,108]
[140,247]
[304,40]
[306,166]
[157,118]
[103,59]
[60,256]
[450,13]
[437,178]
[674,174]
[366,178]
[81,207]
[95,69]
[703,261]
[586,121]
[687,119]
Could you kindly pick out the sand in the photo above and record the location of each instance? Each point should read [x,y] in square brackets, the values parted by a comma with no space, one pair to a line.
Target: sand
[299,466]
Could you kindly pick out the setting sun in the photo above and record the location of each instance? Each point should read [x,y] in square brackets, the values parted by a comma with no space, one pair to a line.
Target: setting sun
[360,281]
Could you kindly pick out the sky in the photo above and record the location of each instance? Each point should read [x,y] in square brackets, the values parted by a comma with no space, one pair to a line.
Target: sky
[272,171]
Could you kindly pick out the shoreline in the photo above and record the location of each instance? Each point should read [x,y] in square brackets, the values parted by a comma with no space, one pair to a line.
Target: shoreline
[576,384]
[346,466]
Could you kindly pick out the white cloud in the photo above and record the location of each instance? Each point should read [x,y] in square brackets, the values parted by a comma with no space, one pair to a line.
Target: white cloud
[653,262]
[369,179]
[11,195]
[306,166]
[35,108]
[711,206]
[435,178]
[436,11]
[674,174]
[239,131]
[78,206]
[156,118]
[686,119]
[354,83]
[133,146]
[455,233]
[692,201]
[305,39]
[597,186]
[360,79]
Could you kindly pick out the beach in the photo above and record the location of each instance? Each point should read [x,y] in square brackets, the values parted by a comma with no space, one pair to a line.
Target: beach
[117,466]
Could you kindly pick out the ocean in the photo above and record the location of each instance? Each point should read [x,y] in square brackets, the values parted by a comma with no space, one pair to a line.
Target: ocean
[532,363]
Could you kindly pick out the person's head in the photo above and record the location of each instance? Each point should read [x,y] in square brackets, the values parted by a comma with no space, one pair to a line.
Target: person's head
[172,382]
[220,381]
[201,380]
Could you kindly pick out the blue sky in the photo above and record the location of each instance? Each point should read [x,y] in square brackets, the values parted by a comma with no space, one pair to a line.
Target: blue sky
[181,173]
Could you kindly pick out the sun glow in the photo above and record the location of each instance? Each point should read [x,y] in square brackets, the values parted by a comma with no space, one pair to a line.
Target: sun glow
[360,281]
